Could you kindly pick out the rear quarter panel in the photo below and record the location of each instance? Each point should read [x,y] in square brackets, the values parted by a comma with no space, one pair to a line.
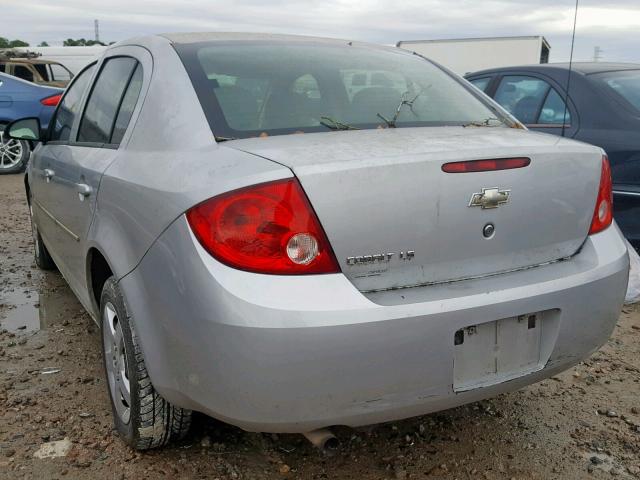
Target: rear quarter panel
[169,163]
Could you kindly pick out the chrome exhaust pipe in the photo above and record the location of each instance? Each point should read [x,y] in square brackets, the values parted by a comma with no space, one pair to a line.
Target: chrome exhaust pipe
[323,439]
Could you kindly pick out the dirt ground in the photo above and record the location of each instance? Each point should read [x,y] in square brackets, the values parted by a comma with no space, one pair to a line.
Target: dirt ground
[584,423]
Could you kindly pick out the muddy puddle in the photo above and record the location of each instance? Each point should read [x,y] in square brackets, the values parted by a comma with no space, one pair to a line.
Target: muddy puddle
[28,311]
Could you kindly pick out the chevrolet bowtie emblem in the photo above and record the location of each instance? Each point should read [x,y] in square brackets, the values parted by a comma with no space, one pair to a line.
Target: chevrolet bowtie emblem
[489,198]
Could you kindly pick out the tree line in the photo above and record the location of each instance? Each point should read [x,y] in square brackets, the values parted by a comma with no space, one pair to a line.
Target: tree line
[6,43]
[69,42]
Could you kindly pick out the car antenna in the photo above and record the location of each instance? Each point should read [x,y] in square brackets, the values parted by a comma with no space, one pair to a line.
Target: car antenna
[566,96]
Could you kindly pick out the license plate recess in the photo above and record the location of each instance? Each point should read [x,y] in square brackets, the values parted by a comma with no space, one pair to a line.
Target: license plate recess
[498,351]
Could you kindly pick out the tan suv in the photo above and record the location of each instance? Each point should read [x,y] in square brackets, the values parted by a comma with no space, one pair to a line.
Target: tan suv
[41,72]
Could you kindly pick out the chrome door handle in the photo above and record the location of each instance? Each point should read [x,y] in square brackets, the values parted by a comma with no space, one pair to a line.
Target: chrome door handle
[48,174]
[84,190]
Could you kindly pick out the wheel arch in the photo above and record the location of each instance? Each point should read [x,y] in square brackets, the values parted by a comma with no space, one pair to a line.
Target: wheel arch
[99,270]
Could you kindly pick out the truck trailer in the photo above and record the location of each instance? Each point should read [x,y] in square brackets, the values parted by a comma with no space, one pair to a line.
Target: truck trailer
[466,55]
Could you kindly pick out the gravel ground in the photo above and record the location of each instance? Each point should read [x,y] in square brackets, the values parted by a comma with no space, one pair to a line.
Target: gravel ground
[584,423]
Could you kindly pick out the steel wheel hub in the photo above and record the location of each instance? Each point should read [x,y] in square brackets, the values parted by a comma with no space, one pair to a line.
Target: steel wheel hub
[115,355]
[10,152]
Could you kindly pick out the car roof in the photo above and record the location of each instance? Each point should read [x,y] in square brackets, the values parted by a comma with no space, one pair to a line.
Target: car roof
[29,61]
[229,38]
[197,37]
[584,68]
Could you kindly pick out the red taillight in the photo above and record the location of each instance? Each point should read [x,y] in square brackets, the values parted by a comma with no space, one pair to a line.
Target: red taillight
[51,101]
[603,213]
[485,165]
[265,228]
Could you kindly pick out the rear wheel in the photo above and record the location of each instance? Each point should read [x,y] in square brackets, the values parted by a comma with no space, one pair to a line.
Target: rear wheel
[142,417]
[13,154]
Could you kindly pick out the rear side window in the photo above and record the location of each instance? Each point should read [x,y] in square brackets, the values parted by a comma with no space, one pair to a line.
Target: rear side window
[522,96]
[129,102]
[97,123]
[553,110]
[23,72]
[481,83]
[59,73]
[531,100]
[70,106]
[42,70]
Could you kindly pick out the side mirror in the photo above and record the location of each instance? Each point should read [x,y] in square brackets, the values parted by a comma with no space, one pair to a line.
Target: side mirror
[24,129]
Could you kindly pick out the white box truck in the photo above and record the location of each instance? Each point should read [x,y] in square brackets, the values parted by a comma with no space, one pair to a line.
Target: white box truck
[466,55]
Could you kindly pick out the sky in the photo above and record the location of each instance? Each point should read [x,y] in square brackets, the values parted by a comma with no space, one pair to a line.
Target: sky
[614,26]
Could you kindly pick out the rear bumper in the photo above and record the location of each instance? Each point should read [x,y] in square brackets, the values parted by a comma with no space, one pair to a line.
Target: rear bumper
[291,354]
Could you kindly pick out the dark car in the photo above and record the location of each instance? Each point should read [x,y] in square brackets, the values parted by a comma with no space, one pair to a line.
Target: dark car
[603,109]
[19,99]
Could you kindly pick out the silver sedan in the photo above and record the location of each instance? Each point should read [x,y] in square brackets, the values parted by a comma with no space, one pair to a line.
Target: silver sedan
[291,233]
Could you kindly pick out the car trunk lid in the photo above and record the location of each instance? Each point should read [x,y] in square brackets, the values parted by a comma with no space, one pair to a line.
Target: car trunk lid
[396,219]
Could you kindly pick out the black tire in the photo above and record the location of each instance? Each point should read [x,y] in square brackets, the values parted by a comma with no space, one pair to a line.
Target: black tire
[42,257]
[24,152]
[152,421]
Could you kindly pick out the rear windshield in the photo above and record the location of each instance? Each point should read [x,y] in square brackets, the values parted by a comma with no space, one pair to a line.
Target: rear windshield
[625,84]
[249,89]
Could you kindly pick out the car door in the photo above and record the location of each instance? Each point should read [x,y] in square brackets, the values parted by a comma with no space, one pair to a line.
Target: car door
[536,101]
[93,145]
[48,163]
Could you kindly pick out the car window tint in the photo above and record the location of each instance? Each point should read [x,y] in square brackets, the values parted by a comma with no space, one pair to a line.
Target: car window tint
[128,105]
[554,110]
[70,106]
[60,73]
[241,98]
[356,81]
[42,70]
[297,85]
[23,72]
[102,107]
[626,84]
[481,83]
[522,96]
[307,86]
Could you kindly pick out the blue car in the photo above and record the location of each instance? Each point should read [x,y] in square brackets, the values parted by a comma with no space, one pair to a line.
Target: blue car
[603,109]
[19,99]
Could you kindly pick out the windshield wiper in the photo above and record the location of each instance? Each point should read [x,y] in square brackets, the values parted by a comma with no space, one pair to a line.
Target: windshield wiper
[485,123]
[223,139]
[403,101]
[334,124]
